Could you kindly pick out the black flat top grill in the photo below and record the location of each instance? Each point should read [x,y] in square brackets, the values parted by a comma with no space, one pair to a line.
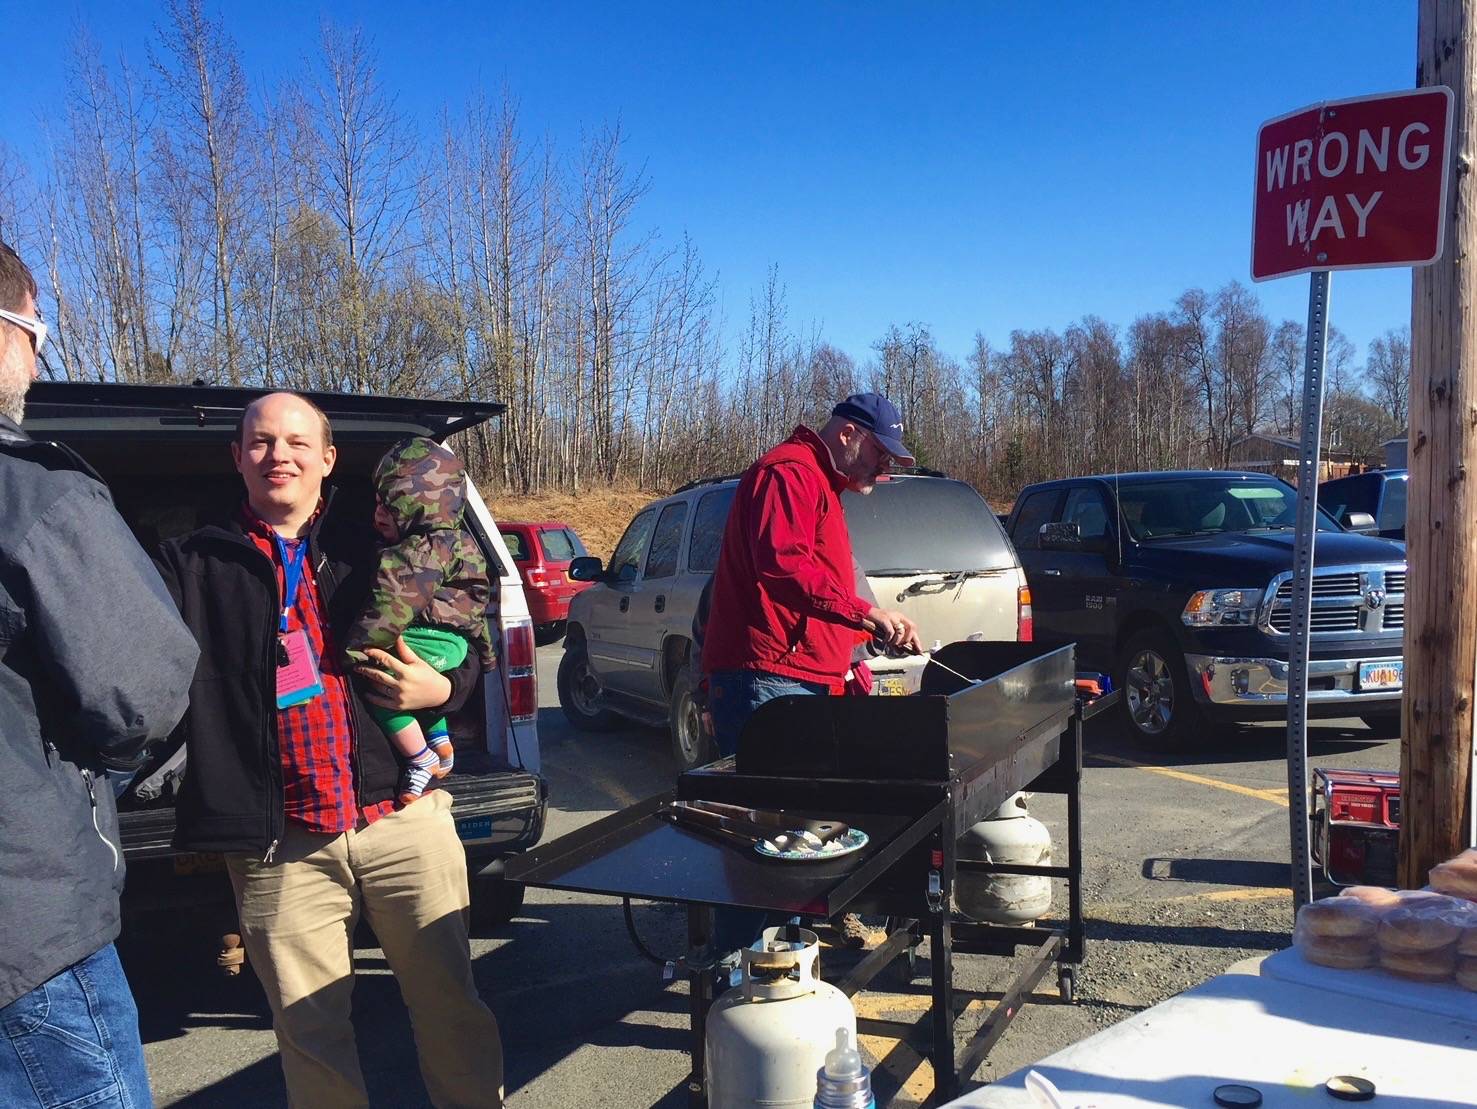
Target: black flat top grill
[912,772]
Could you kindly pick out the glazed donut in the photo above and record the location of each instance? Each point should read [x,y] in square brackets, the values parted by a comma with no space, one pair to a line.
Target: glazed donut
[1342,952]
[1409,931]
[1457,878]
[1376,897]
[1423,966]
[1337,916]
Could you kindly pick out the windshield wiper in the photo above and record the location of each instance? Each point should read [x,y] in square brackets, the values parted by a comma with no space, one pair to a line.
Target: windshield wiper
[901,572]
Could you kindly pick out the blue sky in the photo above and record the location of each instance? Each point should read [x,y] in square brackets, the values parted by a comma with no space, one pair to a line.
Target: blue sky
[971,166]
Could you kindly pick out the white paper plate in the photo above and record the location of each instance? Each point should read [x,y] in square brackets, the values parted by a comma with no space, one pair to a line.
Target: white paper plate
[854,840]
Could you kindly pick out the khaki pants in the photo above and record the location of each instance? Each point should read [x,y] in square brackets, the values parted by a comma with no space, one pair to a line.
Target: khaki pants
[408,873]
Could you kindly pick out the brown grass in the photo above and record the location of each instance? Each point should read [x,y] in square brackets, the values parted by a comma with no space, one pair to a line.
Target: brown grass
[599,516]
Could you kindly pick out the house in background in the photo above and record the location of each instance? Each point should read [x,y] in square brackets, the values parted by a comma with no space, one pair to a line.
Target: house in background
[1395,452]
[1277,455]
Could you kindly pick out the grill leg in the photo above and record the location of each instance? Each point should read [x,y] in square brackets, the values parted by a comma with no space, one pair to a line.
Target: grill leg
[700,997]
[941,956]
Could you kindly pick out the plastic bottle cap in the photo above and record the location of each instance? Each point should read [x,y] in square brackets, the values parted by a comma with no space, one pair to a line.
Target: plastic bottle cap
[842,1062]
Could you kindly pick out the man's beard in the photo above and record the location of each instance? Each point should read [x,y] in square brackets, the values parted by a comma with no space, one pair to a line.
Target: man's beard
[13,402]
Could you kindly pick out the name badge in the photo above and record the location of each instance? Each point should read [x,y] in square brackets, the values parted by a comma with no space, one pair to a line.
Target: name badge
[298,679]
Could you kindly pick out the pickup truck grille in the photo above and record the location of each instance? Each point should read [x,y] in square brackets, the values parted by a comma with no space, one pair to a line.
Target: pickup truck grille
[1342,619]
[1367,600]
[1326,585]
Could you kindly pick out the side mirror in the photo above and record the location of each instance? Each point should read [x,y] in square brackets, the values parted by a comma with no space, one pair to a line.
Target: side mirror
[586,568]
[1061,537]
[1360,522]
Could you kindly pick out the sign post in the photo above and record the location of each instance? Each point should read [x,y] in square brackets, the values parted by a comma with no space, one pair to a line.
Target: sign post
[1348,184]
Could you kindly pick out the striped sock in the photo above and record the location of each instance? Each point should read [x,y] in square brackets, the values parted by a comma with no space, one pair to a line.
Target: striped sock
[419,770]
[441,741]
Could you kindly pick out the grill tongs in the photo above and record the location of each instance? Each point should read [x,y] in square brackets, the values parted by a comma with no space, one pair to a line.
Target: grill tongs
[784,832]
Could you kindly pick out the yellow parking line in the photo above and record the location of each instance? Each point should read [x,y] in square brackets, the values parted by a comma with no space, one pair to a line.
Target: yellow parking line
[1275,796]
[914,1074]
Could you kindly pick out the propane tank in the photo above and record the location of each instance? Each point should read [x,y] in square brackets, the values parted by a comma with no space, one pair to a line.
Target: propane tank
[1008,835]
[769,1035]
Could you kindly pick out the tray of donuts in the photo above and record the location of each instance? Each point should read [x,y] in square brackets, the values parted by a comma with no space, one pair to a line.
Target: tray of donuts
[1425,935]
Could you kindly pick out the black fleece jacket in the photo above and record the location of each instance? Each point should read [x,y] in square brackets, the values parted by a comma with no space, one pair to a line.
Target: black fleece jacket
[226,589]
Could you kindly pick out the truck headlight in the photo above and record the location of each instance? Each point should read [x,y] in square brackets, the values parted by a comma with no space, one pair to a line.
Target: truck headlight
[1211,608]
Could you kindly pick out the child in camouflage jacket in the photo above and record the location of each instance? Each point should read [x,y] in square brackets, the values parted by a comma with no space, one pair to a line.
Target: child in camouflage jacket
[432,587]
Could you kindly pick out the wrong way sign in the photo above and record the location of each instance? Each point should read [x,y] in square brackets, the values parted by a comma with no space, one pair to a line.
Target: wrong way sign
[1352,184]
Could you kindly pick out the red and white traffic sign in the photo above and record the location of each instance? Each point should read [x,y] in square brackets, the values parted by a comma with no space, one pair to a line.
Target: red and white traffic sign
[1352,184]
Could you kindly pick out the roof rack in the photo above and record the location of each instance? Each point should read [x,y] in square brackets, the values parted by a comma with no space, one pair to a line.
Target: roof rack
[704,481]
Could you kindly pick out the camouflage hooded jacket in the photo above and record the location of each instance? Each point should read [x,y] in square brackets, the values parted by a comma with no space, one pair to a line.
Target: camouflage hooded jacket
[436,575]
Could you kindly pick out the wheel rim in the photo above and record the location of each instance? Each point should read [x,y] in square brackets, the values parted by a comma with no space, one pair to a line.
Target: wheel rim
[689,730]
[1150,692]
[584,689]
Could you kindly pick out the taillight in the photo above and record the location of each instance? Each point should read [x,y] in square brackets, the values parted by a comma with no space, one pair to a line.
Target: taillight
[522,679]
[522,697]
[1025,625]
[536,578]
[518,646]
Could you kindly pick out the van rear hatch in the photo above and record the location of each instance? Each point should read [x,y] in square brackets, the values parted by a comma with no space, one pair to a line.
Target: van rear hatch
[932,549]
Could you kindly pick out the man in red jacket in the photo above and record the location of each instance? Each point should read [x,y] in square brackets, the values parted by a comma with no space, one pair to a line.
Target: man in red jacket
[784,615]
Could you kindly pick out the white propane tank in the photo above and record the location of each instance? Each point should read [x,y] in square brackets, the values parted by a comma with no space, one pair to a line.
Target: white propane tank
[1008,835]
[768,1036]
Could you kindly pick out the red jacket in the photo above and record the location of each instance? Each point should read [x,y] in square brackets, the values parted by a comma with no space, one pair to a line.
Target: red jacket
[784,597]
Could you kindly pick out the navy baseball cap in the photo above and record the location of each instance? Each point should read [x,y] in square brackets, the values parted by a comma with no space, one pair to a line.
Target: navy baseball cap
[880,416]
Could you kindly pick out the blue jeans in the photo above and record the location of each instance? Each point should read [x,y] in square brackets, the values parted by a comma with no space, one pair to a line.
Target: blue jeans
[74,1041]
[733,695]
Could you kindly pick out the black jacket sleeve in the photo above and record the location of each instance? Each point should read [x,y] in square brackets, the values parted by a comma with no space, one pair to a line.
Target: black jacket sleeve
[109,638]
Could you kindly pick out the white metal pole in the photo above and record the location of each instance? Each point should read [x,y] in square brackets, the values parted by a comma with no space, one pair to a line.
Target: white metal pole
[1302,590]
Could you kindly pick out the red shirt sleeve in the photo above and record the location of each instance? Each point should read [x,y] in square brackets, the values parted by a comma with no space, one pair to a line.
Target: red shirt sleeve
[787,505]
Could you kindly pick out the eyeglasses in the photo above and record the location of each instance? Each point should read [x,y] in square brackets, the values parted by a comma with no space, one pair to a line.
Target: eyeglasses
[32,325]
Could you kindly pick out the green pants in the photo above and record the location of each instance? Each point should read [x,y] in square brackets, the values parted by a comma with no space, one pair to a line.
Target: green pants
[443,650]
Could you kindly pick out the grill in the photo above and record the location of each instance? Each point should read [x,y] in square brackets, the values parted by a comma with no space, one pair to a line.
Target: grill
[1323,619]
[913,772]
[1324,585]
[1394,616]
[1394,581]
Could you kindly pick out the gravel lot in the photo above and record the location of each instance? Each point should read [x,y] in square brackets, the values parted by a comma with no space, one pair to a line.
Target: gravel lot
[1185,874]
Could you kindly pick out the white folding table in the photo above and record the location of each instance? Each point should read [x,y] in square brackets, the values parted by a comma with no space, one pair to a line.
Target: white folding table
[1283,1037]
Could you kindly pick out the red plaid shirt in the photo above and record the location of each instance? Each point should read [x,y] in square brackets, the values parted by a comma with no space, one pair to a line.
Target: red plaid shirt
[315,740]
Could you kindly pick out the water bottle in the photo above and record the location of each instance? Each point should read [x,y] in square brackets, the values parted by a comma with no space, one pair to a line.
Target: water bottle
[844,1082]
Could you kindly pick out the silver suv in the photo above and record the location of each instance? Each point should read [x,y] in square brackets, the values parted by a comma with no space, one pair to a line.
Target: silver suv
[929,546]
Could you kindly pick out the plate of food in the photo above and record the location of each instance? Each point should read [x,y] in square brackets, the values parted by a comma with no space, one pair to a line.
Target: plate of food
[798,849]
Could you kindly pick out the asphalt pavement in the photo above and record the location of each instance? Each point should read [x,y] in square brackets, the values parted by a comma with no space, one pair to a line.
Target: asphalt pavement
[1186,873]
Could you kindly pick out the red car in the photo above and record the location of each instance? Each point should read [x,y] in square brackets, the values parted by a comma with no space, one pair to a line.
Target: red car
[542,551]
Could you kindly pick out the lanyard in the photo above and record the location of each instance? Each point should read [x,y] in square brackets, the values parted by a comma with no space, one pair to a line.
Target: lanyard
[292,574]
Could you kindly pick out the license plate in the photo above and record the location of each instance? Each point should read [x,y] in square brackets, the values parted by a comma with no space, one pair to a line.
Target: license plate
[1381,675]
[191,862]
[892,687]
[476,827]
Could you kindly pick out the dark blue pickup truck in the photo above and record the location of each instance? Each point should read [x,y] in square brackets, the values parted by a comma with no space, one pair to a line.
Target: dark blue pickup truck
[1179,585]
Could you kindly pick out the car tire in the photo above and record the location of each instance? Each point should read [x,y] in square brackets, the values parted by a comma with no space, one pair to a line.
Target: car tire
[495,902]
[1384,725]
[1158,706]
[544,634]
[691,746]
[578,689]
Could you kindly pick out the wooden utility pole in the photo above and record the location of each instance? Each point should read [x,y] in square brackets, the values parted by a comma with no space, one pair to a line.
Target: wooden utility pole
[1441,531]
